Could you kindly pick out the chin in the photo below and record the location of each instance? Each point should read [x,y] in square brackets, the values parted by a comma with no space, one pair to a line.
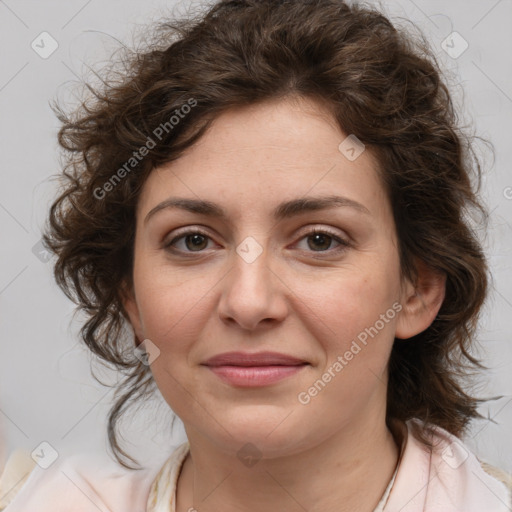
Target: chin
[268,431]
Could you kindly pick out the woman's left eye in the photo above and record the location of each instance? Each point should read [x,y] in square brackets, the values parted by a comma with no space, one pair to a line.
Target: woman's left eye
[196,241]
[321,240]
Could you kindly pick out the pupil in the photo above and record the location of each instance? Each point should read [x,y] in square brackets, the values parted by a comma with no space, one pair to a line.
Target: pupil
[197,241]
[323,238]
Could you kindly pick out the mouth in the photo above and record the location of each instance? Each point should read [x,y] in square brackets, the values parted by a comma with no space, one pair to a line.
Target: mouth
[253,370]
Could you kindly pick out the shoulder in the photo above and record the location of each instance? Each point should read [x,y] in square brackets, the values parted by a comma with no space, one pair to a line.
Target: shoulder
[163,488]
[15,473]
[498,474]
[454,460]
[80,482]
[449,476]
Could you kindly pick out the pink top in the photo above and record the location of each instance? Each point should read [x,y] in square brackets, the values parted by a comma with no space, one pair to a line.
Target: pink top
[447,479]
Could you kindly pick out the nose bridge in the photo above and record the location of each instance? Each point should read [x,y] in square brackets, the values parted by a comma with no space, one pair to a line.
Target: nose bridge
[251,293]
[251,276]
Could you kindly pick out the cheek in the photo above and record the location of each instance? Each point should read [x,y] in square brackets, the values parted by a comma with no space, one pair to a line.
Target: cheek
[172,304]
[172,310]
[349,302]
[354,324]
[355,332]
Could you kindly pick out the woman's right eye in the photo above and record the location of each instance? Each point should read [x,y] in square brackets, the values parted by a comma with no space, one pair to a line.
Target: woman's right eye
[190,241]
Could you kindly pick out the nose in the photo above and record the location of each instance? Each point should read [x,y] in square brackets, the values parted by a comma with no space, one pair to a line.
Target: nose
[253,295]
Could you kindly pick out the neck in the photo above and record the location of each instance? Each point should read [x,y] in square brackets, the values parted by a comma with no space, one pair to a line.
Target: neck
[349,471]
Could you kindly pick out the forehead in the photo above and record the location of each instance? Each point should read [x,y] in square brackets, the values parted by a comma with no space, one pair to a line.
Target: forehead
[265,154]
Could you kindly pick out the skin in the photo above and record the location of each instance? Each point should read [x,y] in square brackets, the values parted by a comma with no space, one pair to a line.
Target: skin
[301,296]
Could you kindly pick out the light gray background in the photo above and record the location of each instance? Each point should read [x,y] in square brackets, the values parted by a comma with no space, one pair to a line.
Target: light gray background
[46,389]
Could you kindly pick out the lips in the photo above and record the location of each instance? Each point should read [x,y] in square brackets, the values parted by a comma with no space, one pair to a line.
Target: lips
[256,359]
[244,369]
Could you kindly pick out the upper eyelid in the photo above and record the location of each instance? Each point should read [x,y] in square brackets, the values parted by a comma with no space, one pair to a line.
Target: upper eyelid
[304,230]
[328,230]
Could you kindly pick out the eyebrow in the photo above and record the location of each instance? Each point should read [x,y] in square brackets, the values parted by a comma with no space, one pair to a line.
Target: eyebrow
[284,210]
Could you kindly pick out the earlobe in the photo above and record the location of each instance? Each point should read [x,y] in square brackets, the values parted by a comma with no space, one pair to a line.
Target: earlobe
[131,310]
[421,301]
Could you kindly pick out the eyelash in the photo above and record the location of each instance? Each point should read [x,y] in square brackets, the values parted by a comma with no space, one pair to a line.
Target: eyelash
[344,244]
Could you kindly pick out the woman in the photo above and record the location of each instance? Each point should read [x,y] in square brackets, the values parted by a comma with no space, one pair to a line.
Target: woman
[274,202]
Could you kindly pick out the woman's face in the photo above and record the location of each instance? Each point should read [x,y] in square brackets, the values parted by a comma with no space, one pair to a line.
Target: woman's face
[257,279]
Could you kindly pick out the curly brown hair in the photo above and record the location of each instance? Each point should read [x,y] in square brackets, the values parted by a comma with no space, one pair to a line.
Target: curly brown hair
[379,83]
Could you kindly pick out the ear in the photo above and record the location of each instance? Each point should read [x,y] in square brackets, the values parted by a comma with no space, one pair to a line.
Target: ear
[131,309]
[421,301]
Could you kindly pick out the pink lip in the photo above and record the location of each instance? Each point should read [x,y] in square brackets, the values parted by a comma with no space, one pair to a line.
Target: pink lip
[252,370]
